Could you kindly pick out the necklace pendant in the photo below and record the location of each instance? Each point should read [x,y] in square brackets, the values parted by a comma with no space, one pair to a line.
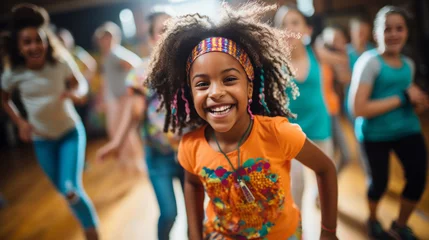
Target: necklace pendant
[246,191]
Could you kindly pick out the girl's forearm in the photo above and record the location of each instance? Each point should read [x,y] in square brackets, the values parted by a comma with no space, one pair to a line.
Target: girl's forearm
[10,108]
[328,192]
[194,201]
[374,108]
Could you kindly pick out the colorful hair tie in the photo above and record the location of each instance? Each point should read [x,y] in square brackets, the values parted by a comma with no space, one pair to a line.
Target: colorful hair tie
[174,106]
[261,92]
[187,108]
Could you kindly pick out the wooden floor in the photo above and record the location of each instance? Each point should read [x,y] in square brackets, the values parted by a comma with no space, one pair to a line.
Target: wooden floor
[127,206]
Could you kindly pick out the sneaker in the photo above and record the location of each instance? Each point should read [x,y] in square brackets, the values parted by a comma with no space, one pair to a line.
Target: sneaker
[376,231]
[401,233]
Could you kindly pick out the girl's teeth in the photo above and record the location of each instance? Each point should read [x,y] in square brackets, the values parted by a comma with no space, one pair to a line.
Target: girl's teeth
[220,109]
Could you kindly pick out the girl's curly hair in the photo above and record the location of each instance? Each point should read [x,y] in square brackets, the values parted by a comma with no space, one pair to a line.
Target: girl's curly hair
[265,46]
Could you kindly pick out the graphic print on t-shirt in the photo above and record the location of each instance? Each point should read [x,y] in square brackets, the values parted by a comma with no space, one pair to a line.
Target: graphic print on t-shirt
[235,216]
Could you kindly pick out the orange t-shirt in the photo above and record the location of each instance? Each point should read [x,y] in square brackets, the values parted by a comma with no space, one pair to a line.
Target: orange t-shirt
[266,160]
[331,97]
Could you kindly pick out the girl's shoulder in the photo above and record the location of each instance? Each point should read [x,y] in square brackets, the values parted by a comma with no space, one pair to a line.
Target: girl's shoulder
[193,134]
[277,126]
[14,73]
[281,134]
[372,53]
[370,58]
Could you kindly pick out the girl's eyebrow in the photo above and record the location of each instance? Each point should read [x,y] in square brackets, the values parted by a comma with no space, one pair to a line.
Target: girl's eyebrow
[230,69]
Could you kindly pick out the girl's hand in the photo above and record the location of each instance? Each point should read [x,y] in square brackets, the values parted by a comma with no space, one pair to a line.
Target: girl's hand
[325,235]
[417,96]
[25,131]
[76,100]
[111,148]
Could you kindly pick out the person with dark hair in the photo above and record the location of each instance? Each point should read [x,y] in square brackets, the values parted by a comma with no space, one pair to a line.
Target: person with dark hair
[385,100]
[228,80]
[53,125]
[160,148]
[310,107]
[117,61]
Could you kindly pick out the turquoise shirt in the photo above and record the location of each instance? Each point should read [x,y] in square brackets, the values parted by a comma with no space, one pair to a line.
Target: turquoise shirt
[310,107]
[386,82]
[353,57]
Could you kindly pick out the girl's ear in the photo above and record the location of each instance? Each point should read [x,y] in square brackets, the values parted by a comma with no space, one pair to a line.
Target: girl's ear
[250,90]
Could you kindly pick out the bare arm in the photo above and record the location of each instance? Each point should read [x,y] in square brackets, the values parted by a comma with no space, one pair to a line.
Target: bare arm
[9,107]
[312,157]
[90,64]
[328,56]
[343,73]
[134,107]
[363,106]
[127,66]
[79,85]
[194,201]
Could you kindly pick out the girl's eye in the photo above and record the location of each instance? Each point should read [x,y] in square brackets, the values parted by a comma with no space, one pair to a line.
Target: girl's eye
[230,79]
[201,84]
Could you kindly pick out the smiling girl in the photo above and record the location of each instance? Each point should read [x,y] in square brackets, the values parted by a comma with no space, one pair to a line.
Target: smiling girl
[53,125]
[382,96]
[228,80]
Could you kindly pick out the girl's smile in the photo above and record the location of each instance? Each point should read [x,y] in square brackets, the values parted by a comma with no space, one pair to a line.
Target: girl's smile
[220,89]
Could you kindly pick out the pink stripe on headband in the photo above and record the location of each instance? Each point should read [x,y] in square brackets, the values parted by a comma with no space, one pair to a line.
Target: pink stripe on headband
[220,44]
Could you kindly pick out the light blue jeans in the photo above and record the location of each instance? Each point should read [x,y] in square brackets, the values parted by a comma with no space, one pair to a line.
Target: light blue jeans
[62,160]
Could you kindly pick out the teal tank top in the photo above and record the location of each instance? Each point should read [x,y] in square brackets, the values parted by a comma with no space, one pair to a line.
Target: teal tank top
[397,123]
[310,108]
[353,56]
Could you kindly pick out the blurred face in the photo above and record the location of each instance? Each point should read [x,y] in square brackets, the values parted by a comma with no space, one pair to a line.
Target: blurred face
[220,90]
[105,42]
[295,22]
[360,32]
[159,27]
[395,34]
[339,42]
[33,46]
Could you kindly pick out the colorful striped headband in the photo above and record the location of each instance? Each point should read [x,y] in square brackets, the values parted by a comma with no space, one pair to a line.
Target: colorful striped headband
[220,44]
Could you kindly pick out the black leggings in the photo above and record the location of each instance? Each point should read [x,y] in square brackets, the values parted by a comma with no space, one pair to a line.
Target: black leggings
[411,151]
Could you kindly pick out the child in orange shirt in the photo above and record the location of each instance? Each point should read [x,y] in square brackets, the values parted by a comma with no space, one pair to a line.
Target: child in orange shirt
[228,79]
